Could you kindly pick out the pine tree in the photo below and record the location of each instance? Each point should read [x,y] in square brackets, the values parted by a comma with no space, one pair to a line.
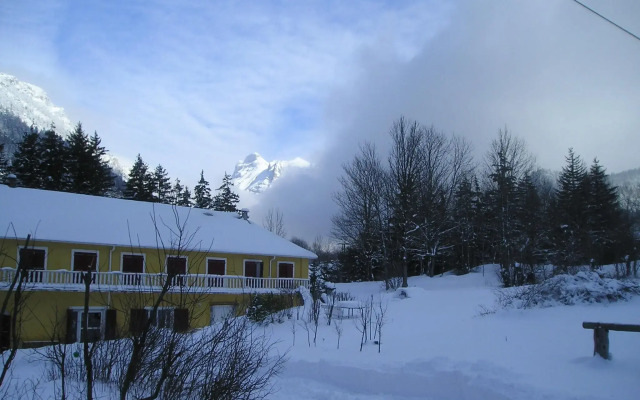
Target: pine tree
[465,253]
[52,164]
[509,162]
[139,185]
[202,193]
[4,165]
[603,215]
[87,171]
[531,228]
[569,215]
[27,160]
[226,200]
[101,177]
[176,192]
[78,161]
[161,185]
[185,199]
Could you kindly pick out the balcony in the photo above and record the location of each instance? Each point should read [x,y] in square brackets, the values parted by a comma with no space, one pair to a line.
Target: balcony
[71,281]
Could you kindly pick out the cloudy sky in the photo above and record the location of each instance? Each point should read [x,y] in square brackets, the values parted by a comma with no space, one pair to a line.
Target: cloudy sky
[199,85]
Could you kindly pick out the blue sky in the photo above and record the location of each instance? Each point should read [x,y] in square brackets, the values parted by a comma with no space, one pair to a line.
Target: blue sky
[199,85]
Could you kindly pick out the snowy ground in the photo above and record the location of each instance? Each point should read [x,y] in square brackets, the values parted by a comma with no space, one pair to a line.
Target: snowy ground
[436,345]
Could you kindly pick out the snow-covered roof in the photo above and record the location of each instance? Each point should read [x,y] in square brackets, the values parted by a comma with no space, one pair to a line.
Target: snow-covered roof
[75,218]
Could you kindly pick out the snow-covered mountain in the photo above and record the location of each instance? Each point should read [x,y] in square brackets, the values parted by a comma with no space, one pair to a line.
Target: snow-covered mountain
[255,174]
[31,105]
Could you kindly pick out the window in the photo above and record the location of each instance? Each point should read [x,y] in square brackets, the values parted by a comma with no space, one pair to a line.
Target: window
[132,264]
[101,323]
[164,317]
[216,266]
[253,269]
[34,261]
[285,270]
[221,312]
[176,267]
[84,261]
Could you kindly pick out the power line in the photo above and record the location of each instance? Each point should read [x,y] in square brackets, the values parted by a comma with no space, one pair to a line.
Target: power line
[607,19]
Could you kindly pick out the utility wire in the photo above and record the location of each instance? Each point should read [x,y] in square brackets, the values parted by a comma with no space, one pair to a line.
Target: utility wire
[607,19]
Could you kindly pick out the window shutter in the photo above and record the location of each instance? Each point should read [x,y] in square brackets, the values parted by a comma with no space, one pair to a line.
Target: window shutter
[138,320]
[72,326]
[180,320]
[110,324]
[5,325]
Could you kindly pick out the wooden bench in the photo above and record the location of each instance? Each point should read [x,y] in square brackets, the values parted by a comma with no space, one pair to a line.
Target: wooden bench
[601,335]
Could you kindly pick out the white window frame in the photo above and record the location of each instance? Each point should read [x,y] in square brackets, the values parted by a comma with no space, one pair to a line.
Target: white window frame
[166,263]
[74,251]
[244,265]
[46,254]
[92,309]
[219,259]
[144,261]
[293,272]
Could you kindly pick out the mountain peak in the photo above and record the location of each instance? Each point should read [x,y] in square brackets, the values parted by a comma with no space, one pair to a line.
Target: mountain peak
[252,158]
[255,174]
[31,105]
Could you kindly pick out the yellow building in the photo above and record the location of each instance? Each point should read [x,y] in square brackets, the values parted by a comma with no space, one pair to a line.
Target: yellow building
[123,255]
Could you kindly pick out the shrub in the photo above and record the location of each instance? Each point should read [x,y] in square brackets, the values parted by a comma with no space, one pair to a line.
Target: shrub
[268,308]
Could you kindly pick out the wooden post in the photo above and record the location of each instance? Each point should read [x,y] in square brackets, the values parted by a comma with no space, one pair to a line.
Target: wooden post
[601,342]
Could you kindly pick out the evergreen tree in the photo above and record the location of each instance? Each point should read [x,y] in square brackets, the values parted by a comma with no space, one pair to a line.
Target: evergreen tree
[465,253]
[177,192]
[78,161]
[531,226]
[226,200]
[87,171]
[27,160]
[52,164]
[161,185]
[139,185]
[603,215]
[4,165]
[202,193]
[509,162]
[101,177]
[185,199]
[569,215]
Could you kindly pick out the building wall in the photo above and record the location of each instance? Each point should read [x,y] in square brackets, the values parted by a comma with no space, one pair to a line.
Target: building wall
[45,317]
[59,256]
[46,311]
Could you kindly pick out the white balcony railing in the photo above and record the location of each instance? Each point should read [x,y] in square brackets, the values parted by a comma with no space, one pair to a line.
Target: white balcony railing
[63,280]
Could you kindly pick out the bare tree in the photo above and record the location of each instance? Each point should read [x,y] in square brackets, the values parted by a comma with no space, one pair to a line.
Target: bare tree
[362,221]
[337,325]
[274,222]
[508,162]
[363,323]
[446,162]
[13,305]
[406,165]
[380,311]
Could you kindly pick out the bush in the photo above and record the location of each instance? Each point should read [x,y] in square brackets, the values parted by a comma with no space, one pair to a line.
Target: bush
[269,308]
[584,287]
